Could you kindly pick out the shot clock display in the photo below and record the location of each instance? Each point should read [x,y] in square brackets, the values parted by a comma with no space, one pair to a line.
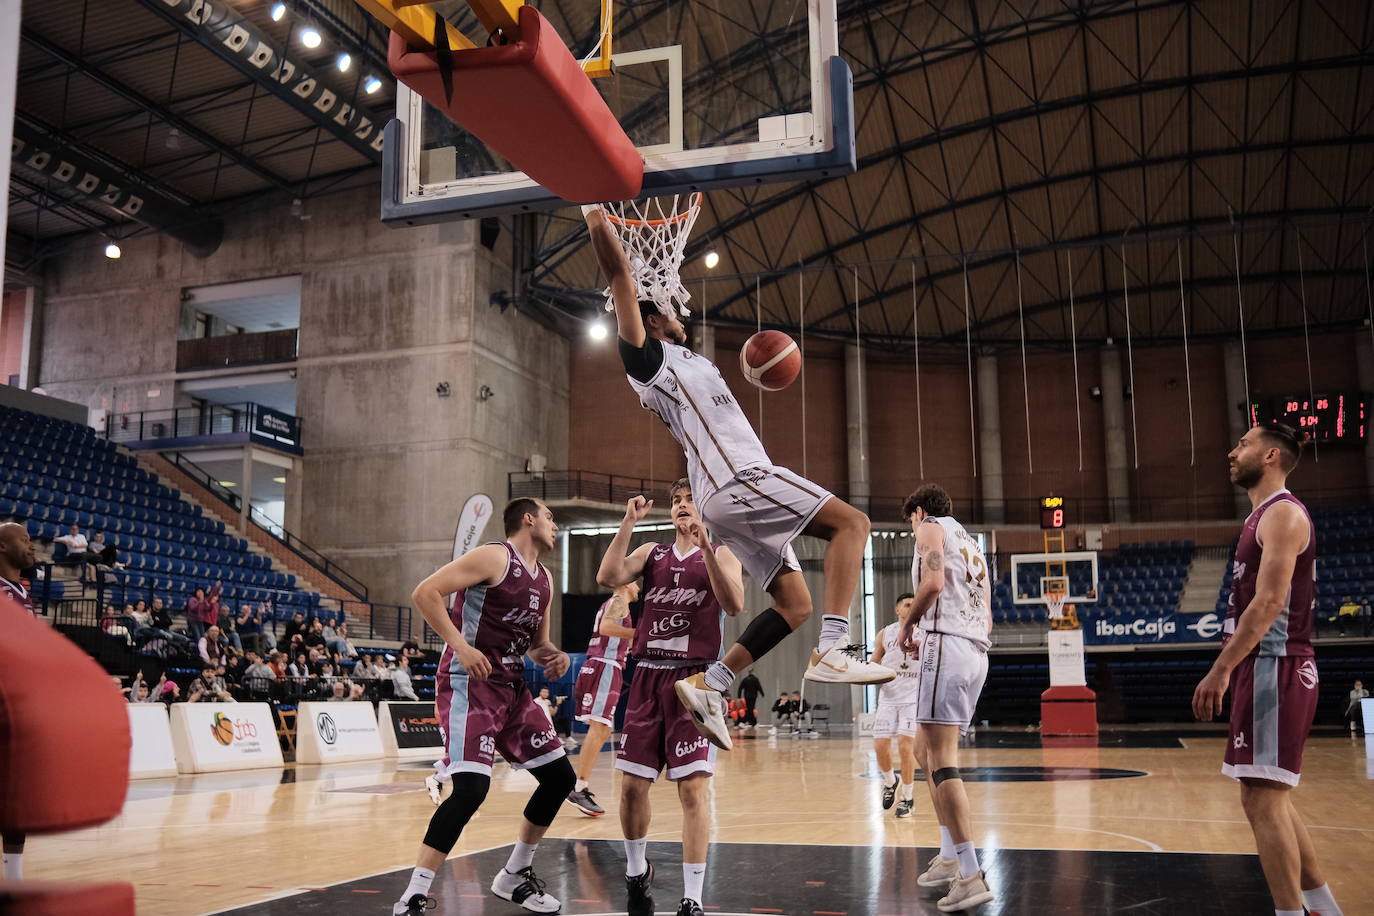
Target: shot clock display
[1330,416]
[1052,512]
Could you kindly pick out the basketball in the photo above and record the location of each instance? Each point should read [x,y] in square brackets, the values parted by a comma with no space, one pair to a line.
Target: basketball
[770,360]
[223,729]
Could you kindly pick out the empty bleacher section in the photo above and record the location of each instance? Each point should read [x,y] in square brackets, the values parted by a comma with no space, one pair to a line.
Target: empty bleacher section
[1137,578]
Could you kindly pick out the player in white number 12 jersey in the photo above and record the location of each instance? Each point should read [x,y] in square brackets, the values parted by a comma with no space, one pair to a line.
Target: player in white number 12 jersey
[753,506]
[953,611]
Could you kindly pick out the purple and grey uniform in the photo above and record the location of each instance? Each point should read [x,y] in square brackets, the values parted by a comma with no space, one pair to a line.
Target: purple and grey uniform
[679,633]
[599,680]
[18,592]
[1274,689]
[479,717]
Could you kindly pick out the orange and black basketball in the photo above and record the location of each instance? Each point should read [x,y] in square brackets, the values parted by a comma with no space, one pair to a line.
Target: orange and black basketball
[223,729]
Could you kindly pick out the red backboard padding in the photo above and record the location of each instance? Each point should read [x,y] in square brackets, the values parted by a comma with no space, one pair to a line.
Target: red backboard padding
[51,898]
[530,102]
[64,731]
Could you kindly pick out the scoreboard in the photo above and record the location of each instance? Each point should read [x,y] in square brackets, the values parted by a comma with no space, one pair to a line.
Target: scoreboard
[1052,512]
[1329,416]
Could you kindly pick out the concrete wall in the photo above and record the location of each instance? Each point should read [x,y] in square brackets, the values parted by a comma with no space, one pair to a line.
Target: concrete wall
[386,315]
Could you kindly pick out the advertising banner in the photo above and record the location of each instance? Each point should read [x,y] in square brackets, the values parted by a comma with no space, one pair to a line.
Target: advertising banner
[1066,658]
[224,736]
[1104,629]
[277,426]
[410,731]
[336,732]
[150,751]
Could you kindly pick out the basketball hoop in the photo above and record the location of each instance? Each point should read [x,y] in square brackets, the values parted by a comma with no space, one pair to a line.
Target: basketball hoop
[654,234]
[1055,605]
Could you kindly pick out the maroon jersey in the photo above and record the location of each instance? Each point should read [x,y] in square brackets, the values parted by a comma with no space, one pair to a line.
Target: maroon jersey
[18,592]
[501,620]
[1291,634]
[606,648]
[681,619]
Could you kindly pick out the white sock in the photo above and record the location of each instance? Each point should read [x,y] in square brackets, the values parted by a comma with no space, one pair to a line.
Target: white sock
[1319,900]
[946,843]
[968,860]
[581,784]
[890,782]
[635,862]
[834,629]
[420,880]
[522,856]
[14,870]
[693,877]
[719,677]
[906,792]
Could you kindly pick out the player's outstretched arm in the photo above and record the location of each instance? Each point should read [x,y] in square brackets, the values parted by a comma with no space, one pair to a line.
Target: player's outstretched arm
[617,568]
[610,255]
[486,564]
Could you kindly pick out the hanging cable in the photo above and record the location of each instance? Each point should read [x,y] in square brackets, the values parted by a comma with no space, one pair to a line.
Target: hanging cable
[968,344]
[801,348]
[1368,291]
[1240,314]
[1130,358]
[1307,348]
[1187,364]
[916,345]
[862,389]
[1025,376]
[1073,339]
[758,328]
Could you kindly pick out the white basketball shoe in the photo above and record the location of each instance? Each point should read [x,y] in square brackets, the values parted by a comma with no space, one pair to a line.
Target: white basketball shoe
[707,707]
[965,894]
[846,665]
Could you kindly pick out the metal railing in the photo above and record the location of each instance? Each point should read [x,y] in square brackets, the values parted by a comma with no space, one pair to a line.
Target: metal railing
[191,422]
[237,350]
[589,485]
[292,542]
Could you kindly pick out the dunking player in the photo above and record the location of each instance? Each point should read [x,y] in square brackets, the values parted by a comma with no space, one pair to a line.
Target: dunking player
[688,585]
[597,692]
[756,508]
[1266,662]
[896,716]
[16,555]
[499,615]
[953,611]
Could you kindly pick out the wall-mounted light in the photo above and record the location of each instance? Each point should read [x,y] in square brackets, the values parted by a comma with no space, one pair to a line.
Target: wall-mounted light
[113,252]
[484,393]
[1095,392]
[442,389]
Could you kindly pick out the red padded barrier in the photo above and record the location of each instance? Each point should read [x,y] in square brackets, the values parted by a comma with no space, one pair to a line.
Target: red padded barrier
[64,736]
[530,102]
[50,898]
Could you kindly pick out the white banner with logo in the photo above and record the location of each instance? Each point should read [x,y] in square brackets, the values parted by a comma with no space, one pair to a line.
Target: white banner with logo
[472,521]
[224,736]
[336,732]
[150,751]
[410,731]
[1066,659]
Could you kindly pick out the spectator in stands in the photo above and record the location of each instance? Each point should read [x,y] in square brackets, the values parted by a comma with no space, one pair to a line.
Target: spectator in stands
[357,693]
[400,678]
[1347,615]
[750,689]
[328,676]
[200,613]
[296,625]
[314,637]
[259,678]
[145,629]
[210,646]
[302,676]
[255,625]
[167,691]
[162,618]
[330,630]
[77,545]
[235,663]
[411,649]
[782,713]
[549,704]
[1354,711]
[337,692]
[339,643]
[209,687]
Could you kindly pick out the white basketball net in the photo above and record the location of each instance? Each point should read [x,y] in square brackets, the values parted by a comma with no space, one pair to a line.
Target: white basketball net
[654,234]
[1055,605]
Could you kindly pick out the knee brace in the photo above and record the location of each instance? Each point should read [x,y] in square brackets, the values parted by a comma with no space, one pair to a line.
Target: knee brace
[944,773]
[447,823]
[764,632]
[556,780]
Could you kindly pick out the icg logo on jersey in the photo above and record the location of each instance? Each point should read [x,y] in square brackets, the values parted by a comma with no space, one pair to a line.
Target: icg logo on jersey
[671,625]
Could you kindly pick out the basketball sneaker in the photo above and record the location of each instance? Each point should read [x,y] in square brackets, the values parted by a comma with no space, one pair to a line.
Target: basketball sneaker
[965,894]
[585,802]
[940,872]
[524,888]
[638,900]
[846,665]
[434,788]
[904,807]
[889,794]
[707,707]
[414,906]
[689,907]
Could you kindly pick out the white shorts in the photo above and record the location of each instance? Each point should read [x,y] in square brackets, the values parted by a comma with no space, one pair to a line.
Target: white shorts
[758,513]
[953,670]
[893,720]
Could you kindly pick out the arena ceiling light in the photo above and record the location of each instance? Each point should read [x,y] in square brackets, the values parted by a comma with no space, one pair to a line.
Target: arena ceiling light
[311,37]
[597,330]
[343,62]
[113,252]
[371,85]
[712,259]
[278,11]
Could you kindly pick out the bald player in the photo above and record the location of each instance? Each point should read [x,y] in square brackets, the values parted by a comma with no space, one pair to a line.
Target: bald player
[16,555]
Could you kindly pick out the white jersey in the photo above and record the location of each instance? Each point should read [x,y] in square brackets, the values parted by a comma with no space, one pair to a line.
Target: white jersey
[963,607]
[901,689]
[689,395]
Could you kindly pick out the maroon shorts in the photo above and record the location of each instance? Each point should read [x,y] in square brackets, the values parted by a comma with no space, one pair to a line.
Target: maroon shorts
[477,718]
[1273,701]
[597,691]
[658,732]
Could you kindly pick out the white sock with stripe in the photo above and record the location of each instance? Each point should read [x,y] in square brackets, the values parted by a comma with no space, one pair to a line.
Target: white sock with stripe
[834,629]
[420,880]
[1320,901]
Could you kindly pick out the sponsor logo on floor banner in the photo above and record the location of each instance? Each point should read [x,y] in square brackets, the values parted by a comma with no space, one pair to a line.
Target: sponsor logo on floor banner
[410,730]
[224,736]
[150,752]
[1066,658]
[335,732]
[1103,629]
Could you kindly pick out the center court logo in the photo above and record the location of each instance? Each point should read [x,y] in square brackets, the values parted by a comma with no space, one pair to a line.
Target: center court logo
[324,724]
[1208,626]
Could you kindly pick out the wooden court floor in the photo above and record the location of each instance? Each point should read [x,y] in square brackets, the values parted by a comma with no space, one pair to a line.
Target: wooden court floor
[200,844]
